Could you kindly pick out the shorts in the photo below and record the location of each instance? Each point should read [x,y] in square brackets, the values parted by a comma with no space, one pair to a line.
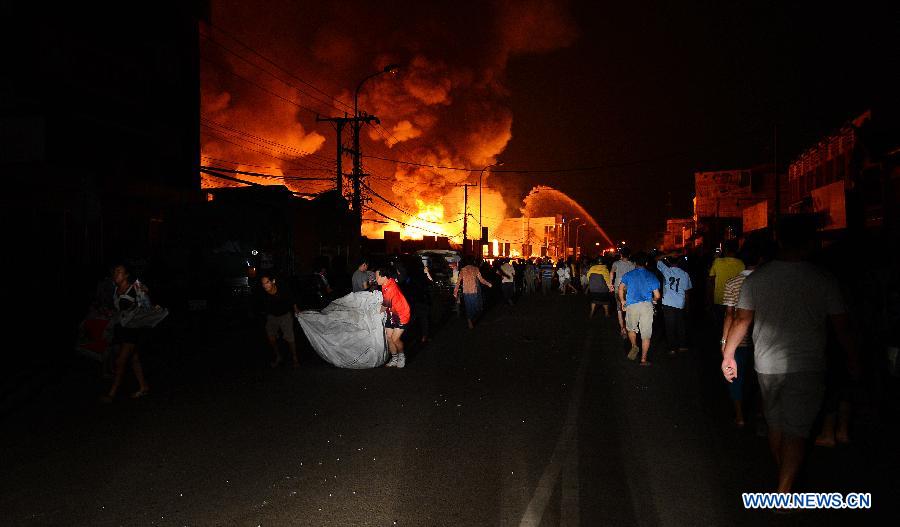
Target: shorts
[791,401]
[639,319]
[283,323]
[136,336]
[393,322]
[601,299]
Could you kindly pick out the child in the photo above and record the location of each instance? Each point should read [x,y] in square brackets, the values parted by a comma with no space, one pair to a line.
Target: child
[397,309]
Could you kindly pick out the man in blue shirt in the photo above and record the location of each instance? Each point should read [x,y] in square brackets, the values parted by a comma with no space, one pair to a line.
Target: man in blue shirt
[676,284]
[638,291]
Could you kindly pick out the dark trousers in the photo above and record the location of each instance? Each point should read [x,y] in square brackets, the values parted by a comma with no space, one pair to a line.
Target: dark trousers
[546,284]
[421,313]
[509,291]
[676,330]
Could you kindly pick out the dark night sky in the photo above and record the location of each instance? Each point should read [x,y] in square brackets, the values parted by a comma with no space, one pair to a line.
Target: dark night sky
[672,86]
[707,83]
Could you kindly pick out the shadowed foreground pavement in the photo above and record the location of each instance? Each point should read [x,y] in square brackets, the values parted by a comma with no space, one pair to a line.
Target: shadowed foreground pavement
[533,418]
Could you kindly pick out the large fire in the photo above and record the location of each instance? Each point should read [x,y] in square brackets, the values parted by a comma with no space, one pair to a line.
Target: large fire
[261,103]
[429,215]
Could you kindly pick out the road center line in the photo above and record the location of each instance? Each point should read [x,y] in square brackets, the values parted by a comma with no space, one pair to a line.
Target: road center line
[566,446]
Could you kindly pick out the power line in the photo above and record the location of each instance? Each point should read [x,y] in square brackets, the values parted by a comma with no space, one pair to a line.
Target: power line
[309,163]
[240,163]
[219,137]
[285,70]
[290,149]
[245,79]
[385,216]
[380,130]
[249,183]
[269,176]
[392,204]
[276,77]
[528,171]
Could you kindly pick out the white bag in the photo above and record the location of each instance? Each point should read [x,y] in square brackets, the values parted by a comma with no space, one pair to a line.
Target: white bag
[349,333]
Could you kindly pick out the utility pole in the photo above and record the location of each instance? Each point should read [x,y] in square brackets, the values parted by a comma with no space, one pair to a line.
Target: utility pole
[357,173]
[339,125]
[465,187]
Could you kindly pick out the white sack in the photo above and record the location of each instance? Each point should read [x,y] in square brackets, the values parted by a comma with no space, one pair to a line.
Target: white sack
[349,333]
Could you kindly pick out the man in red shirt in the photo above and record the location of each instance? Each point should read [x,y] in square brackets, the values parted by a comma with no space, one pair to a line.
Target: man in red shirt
[397,309]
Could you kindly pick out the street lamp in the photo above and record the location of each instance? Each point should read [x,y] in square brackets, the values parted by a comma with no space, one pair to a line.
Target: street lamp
[480,177]
[569,231]
[575,249]
[390,68]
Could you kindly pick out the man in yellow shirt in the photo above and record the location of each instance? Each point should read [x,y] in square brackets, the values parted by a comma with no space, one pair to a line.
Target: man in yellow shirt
[598,287]
[723,269]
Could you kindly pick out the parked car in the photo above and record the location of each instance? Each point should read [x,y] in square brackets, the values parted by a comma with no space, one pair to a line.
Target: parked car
[442,266]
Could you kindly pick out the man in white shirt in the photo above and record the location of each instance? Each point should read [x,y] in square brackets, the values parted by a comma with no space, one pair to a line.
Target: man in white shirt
[789,301]
[507,283]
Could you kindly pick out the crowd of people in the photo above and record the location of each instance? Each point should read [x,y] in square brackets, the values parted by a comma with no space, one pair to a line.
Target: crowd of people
[779,322]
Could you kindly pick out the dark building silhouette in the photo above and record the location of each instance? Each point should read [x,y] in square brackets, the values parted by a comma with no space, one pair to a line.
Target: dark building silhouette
[99,141]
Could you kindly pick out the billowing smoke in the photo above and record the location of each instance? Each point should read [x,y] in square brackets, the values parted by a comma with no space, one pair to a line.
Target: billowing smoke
[446,106]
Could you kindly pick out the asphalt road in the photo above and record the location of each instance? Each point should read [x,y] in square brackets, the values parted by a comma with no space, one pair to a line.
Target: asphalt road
[534,418]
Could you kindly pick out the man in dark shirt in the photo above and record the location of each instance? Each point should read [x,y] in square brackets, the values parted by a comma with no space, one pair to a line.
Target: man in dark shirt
[280,308]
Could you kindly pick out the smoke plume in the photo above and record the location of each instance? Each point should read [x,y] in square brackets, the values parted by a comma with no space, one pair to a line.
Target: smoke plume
[446,106]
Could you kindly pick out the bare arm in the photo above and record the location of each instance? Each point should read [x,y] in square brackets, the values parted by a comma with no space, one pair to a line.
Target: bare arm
[622,295]
[736,333]
[729,320]
[656,296]
[483,281]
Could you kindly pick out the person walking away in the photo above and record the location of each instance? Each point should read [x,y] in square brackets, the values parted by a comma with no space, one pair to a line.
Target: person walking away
[620,268]
[676,284]
[722,270]
[529,277]
[574,276]
[750,254]
[507,281]
[280,307]
[565,279]
[360,279]
[324,286]
[638,292]
[598,281]
[420,284]
[396,308]
[547,272]
[469,278]
[519,268]
[789,302]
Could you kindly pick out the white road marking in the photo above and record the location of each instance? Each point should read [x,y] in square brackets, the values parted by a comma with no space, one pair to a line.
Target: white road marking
[566,448]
